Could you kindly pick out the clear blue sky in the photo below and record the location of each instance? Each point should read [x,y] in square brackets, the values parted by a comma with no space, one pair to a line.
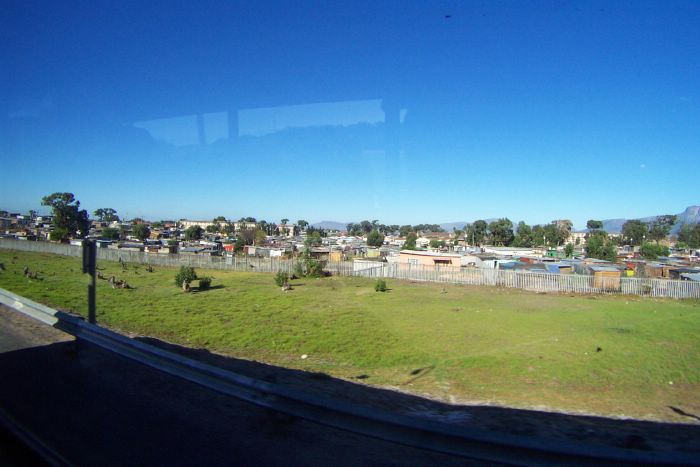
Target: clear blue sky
[353,110]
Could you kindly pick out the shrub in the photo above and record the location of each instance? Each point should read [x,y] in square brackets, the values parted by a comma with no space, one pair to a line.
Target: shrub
[380,285]
[299,269]
[281,278]
[314,268]
[204,283]
[185,275]
[652,250]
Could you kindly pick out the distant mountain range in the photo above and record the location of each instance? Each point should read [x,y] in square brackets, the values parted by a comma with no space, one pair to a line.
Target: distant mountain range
[691,215]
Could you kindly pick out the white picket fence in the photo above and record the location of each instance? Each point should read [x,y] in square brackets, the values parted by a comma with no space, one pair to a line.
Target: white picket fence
[538,282]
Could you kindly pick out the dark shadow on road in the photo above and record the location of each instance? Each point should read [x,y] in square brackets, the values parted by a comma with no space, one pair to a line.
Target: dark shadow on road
[630,434]
[75,391]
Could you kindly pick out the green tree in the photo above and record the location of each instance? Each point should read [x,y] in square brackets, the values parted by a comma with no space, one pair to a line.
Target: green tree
[601,246]
[501,232]
[248,236]
[227,229]
[366,226]
[569,250]
[106,215]
[312,239]
[538,236]
[410,243]
[593,225]
[374,238]
[652,250]
[141,231]
[110,234]
[523,237]
[193,232]
[563,230]
[690,234]
[68,219]
[634,232]
[302,224]
[185,275]
[404,230]
[476,232]
[260,237]
[660,227]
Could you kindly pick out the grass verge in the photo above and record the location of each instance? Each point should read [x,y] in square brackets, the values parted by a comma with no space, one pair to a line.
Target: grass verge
[616,356]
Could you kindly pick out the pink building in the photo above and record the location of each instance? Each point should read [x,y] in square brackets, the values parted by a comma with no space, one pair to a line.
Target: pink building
[429,258]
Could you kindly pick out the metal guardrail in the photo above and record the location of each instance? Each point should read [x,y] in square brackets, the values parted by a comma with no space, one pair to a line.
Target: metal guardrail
[465,442]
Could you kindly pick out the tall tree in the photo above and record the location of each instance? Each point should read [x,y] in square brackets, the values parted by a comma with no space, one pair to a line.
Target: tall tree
[410,243]
[660,227]
[634,232]
[312,239]
[106,215]
[68,219]
[193,232]
[501,232]
[593,225]
[302,224]
[523,237]
[374,238]
[260,237]
[141,231]
[690,235]
[476,232]
[539,237]
[600,246]
[569,250]
[563,230]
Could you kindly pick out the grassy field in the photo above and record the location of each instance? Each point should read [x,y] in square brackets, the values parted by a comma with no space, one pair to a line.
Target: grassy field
[618,356]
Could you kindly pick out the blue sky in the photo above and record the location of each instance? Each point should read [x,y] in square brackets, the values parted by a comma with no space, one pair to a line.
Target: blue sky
[353,110]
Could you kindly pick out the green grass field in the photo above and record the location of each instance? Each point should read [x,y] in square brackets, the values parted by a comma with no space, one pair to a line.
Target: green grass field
[472,344]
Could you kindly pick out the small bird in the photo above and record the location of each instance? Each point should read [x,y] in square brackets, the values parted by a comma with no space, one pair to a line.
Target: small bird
[598,349]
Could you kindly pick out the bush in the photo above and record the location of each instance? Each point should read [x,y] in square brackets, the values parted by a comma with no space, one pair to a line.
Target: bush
[314,268]
[299,269]
[186,275]
[653,251]
[281,278]
[380,285]
[204,283]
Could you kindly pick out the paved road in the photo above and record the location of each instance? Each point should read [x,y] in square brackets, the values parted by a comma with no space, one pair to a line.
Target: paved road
[96,408]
